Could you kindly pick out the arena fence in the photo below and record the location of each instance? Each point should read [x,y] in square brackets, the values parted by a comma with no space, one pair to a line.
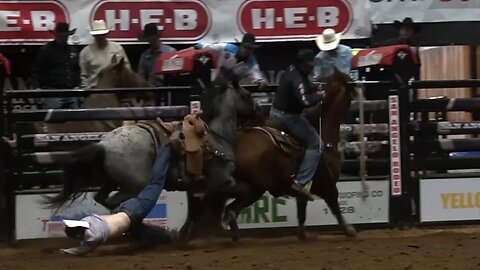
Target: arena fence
[400,168]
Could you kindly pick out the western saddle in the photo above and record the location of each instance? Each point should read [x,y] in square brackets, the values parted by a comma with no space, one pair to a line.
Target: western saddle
[191,140]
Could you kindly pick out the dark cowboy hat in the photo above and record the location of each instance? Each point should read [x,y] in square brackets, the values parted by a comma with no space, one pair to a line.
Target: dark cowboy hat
[306,56]
[63,27]
[248,41]
[150,31]
[407,22]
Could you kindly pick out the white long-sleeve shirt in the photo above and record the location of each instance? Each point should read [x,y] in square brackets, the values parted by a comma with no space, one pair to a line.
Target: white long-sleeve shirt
[93,60]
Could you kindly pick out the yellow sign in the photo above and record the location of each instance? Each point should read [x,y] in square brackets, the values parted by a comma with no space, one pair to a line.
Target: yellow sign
[460,200]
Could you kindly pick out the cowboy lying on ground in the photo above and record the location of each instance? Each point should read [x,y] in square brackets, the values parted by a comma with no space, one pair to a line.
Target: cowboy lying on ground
[332,55]
[294,93]
[57,68]
[229,55]
[98,55]
[94,230]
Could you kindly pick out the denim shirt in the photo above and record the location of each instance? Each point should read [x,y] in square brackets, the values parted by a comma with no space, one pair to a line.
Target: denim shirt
[147,62]
[326,62]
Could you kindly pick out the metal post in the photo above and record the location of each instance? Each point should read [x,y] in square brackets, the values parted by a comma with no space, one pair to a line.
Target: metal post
[361,112]
[400,207]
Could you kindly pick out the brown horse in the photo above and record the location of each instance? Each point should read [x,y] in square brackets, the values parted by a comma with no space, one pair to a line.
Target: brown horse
[115,75]
[262,166]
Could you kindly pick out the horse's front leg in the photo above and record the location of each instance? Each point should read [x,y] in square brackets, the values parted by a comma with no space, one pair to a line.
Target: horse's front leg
[301,216]
[102,194]
[245,197]
[186,230]
[116,199]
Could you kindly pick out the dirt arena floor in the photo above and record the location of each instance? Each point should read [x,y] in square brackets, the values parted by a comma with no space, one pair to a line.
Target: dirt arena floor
[439,248]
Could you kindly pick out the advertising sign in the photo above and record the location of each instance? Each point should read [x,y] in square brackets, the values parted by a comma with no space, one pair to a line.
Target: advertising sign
[185,21]
[450,199]
[34,221]
[387,11]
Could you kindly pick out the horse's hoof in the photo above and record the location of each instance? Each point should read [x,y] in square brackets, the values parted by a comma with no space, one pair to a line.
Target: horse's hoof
[235,237]
[350,231]
[302,236]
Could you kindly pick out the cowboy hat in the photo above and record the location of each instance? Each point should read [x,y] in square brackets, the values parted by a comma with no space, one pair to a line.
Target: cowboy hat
[248,41]
[306,56]
[99,27]
[328,40]
[407,22]
[63,27]
[150,31]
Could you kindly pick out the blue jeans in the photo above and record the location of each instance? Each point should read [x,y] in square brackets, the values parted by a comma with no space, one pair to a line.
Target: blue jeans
[300,128]
[137,208]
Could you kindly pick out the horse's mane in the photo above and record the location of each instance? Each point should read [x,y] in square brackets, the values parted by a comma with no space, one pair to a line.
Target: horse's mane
[333,86]
[213,101]
[130,77]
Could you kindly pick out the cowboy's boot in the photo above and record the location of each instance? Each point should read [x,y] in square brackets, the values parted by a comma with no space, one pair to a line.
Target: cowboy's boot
[303,190]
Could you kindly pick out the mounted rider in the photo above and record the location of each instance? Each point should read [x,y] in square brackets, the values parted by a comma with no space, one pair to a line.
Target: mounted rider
[294,93]
[231,56]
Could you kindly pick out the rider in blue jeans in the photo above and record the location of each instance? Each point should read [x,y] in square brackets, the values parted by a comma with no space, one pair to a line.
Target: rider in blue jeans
[294,93]
[94,230]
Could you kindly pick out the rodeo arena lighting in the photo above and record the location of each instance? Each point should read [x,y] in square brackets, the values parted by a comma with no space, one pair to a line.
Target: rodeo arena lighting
[396,163]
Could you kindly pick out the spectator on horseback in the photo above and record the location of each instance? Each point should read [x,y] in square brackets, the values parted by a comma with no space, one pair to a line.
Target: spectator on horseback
[294,93]
[94,230]
[332,55]
[98,55]
[57,68]
[230,56]
[149,57]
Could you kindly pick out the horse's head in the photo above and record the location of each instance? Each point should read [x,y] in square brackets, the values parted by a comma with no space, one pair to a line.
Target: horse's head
[336,105]
[119,75]
[339,95]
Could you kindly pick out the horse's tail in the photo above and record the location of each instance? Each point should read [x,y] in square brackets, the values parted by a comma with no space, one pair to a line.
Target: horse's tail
[80,170]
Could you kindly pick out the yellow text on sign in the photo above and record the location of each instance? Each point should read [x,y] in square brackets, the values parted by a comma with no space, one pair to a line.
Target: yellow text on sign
[460,200]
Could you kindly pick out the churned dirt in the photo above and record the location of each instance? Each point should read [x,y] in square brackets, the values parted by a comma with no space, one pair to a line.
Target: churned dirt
[447,248]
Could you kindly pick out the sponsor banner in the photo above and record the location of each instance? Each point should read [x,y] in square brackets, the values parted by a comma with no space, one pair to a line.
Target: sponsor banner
[395,164]
[34,221]
[270,212]
[387,11]
[449,199]
[185,21]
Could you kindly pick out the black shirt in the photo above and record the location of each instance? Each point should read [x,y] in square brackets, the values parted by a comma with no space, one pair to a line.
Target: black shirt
[295,92]
[57,66]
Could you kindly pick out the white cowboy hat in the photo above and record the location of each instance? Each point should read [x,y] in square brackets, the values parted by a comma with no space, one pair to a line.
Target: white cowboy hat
[328,40]
[99,27]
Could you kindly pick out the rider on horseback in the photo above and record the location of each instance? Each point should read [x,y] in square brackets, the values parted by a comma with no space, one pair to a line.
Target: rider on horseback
[230,56]
[294,93]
